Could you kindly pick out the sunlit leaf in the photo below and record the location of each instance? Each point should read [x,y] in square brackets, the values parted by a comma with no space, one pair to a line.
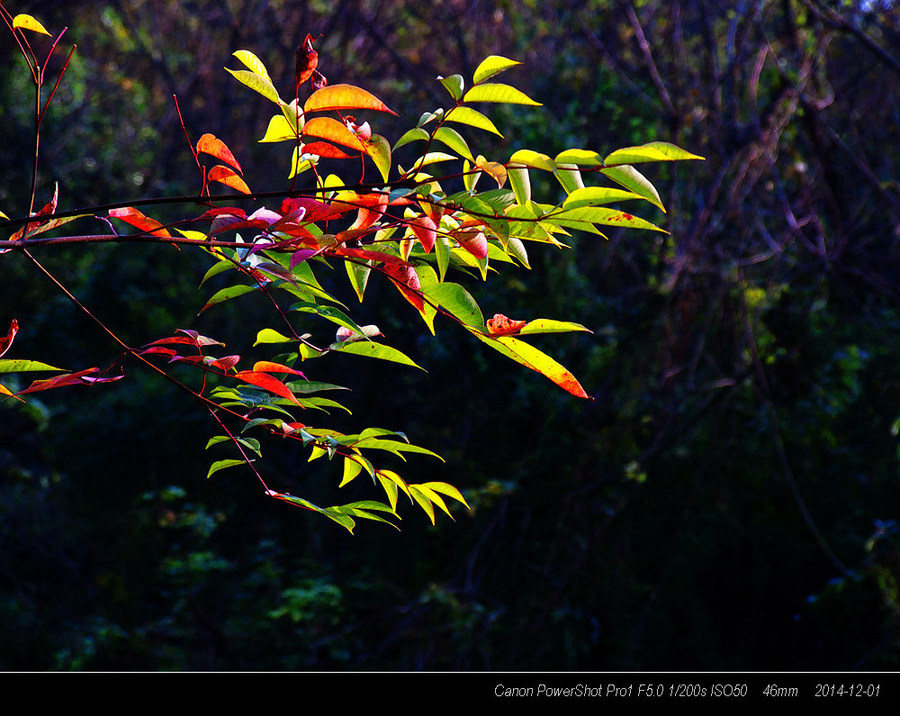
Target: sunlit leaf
[343,96]
[371,349]
[493,92]
[633,180]
[279,130]
[651,152]
[256,82]
[473,118]
[267,382]
[137,219]
[537,360]
[454,140]
[17,365]
[379,149]
[225,175]
[250,60]
[27,22]
[492,65]
[333,131]
[212,145]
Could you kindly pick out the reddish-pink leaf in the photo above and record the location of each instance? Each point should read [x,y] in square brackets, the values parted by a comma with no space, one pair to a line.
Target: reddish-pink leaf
[500,325]
[342,96]
[473,240]
[82,377]
[425,230]
[212,145]
[229,178]
[134,217]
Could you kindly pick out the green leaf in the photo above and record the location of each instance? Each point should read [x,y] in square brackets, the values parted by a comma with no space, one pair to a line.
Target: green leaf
[415,134]
[270,335]
[253,62]
[520,182]
[633,180]
[370,349]
[227,294]
[537,360]
[18,365]
[548,325]
[529,158]
[602,215]
[454,140]
[221,465]
[596,195]
[379,149]
[492,92]
[471,117]
[260,84]
[651,152]
[457,301]
[490,66]
[579,157]
[454,84]
[569,176]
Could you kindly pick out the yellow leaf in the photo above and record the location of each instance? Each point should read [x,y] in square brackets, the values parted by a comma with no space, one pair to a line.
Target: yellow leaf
[27,22]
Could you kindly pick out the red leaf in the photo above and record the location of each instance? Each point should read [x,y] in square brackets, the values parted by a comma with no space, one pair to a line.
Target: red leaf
[307,59]
[7,340]
[81,377]
[48,208]
[267,382]
[134,217]
[212,145]
[323,149]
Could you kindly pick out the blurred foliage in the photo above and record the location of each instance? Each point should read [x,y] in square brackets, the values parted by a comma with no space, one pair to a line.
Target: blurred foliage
[729,500]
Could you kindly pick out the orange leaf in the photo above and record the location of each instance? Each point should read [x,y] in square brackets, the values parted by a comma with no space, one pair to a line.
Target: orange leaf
[229,178]
[210,144]
[7,340]
[267,382]
[265,366]
[332,130]
[134,217]
[335,97]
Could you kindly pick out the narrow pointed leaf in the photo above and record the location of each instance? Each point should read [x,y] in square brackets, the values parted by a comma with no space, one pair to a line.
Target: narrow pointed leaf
[493,92]
[471,117]
[23,21]
[492,65]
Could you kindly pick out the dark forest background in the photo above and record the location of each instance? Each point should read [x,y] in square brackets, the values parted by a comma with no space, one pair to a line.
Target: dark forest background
[729,499]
